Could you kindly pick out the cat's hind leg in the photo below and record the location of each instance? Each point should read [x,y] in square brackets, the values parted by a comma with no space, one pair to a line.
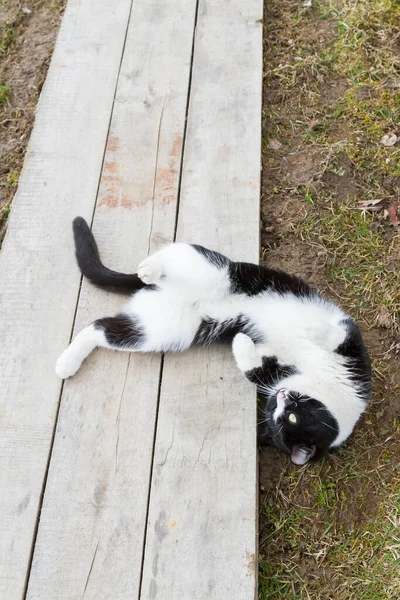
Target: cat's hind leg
[119,333]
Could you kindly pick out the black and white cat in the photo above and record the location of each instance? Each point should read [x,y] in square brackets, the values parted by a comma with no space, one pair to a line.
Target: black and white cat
[306,356]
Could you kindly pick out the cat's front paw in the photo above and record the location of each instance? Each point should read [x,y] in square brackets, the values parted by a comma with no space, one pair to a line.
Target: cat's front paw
[245,353]
[67,364]
[150,270]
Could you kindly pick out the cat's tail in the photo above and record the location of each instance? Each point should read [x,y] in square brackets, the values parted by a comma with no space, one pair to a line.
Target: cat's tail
[88,258]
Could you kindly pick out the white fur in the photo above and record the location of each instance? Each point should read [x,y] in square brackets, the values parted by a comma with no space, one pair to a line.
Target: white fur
[245,353]
[182,272]
[299,331]
[84,343]
[280,405]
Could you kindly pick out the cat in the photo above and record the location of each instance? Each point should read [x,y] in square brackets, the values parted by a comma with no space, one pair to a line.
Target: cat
[306,356]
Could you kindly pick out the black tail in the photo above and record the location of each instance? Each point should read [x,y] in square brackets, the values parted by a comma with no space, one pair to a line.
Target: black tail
[92,268]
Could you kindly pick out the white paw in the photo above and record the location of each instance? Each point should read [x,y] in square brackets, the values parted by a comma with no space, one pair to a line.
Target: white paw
[245,353]
[335,337]
[150,270]
[67,365]
[324,335]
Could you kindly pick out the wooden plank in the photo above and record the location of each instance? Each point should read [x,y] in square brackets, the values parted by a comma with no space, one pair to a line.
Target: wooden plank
[91,534]
[39,282]
[201,540]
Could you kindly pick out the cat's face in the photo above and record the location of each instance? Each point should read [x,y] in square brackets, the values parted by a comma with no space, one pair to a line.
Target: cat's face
[297,424]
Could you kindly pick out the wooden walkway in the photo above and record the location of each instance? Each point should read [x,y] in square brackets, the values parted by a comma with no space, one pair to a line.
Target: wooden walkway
[136,479]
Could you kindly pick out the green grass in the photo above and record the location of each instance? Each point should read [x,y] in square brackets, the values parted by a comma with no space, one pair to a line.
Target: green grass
[4,93]
[7,37]
[13,178]
[330,531]
[365,47]
[5,212]
[358,563]
[358,259]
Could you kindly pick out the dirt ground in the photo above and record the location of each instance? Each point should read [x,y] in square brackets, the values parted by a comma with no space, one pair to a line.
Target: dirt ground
[331,92]
[28,29]
[330,197]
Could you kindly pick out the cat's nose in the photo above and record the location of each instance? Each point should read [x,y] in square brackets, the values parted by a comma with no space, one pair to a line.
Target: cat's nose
[281,395]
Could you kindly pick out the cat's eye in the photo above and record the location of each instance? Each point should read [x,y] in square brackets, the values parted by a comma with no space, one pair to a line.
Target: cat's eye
[292,418]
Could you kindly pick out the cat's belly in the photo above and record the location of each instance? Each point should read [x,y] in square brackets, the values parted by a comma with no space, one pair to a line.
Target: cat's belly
[168,323]
[293,327]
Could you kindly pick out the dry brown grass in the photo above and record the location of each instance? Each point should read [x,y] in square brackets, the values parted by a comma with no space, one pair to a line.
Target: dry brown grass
[26,45]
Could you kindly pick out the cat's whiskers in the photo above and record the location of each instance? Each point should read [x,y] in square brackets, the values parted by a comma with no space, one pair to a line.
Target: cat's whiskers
[327,425]
[278,432]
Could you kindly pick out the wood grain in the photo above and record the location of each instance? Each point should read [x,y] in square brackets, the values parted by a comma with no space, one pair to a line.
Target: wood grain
[39,282]
[201,540]
[91,534]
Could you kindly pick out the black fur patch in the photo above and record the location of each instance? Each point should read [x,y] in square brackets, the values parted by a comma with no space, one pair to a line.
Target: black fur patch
[358,364]
[121,331]
[88,258]
[270,372]
[211,331]
[251,280]
[215,258]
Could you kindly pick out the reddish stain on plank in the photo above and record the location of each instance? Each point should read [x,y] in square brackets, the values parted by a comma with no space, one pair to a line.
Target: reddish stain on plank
[113,186]
[112,144]
[111,167]
[166,184]
[177,145]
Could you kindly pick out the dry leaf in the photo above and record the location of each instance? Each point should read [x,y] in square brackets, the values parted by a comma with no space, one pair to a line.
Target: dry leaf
[274,145]
[389,139]
[393,215]
[384,318]
[371,205]
[307,3]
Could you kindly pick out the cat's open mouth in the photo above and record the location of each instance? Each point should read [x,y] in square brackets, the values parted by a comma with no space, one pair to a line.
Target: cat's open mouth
[302,454]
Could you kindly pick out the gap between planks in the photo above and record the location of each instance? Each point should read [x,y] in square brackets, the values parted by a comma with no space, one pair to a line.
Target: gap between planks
[121,206]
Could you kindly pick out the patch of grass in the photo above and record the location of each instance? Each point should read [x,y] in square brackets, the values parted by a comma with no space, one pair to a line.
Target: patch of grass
[367,121]
[7,37]
[5,212]
[372,555]
[325,494]
[359,259]
[376,115]
[4,93]
[365,48]
[311,553]
[308,196]
[274,583]
[13,178]
[330,531]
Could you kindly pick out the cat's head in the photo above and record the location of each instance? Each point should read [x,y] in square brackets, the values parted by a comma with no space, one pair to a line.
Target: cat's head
[299,425]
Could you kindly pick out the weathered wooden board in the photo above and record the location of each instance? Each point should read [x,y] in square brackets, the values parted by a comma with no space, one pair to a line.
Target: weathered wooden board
[91,533]
[38,280]
[201,540]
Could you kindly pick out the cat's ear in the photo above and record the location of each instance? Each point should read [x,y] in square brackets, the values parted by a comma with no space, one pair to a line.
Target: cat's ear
[302,454]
